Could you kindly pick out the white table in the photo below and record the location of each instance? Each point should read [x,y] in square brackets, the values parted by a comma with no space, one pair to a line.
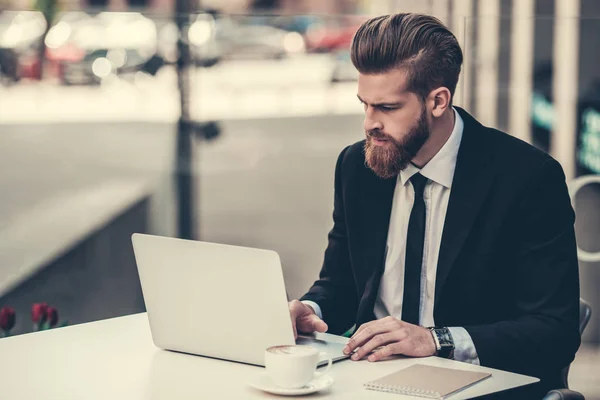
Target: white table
[116,359]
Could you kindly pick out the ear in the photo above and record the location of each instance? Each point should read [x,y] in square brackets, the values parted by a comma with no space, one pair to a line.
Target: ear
[439,100]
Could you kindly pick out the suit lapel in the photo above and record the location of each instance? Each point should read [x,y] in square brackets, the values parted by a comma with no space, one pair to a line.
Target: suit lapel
[377,199]
[471,183]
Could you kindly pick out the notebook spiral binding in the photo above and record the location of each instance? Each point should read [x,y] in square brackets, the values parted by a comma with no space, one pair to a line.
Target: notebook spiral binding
[430,394]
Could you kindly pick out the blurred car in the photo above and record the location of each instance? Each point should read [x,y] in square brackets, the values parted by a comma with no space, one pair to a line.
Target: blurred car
[332,35]
[205,50]
[9,66]
[21,34]
[215,37]
[100,64]
[199,34]
[295,23]
[240,39]
[70,36]
[87,49]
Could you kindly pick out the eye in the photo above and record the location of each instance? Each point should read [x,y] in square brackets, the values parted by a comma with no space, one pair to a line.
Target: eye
[387,109]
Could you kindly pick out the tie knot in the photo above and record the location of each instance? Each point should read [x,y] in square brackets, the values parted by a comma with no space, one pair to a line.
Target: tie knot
[418,181]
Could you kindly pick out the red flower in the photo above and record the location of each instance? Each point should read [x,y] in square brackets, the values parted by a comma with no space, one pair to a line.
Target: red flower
[7,318]
[52,316]
[38,312]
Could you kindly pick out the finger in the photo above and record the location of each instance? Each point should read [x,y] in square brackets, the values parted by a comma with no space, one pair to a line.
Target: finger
[294,312]
[307,323]
[318,324]
[371,323]
[294,325]
[386,351]
[363,326]
[378,341]
[383,326]
[295,330]
[367,331]
[311,323]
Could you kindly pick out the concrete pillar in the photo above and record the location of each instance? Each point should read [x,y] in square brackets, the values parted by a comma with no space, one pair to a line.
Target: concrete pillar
[521,69]
[488,46]
[440,9]
[565,83]
[462,27]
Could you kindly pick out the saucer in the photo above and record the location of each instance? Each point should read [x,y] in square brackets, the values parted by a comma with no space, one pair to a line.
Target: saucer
[262,381]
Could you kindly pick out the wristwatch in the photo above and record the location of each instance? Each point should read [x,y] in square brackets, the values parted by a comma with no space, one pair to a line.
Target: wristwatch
[443,341]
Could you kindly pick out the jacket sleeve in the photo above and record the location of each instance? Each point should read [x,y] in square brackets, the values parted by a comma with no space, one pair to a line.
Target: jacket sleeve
[544,336]
[335,291]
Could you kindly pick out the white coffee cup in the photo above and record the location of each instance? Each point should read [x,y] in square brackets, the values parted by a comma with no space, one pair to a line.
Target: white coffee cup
[293,366]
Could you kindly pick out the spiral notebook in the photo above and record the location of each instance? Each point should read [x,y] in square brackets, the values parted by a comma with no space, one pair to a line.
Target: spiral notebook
[427,381]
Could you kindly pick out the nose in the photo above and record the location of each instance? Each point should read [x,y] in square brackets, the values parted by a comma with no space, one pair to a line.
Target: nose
[371,121]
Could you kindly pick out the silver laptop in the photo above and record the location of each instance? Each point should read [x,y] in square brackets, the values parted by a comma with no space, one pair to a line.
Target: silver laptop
[217,300]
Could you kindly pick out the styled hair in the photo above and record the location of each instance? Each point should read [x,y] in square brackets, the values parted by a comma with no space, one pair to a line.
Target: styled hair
[419,44]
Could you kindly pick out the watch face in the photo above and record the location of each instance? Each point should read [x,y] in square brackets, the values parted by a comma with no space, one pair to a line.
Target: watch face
[446,342]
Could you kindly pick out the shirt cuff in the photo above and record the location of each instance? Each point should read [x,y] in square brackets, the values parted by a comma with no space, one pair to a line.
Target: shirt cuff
[464,348]
[316,307]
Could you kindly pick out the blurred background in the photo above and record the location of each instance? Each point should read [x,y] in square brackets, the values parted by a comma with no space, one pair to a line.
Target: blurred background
[222,120]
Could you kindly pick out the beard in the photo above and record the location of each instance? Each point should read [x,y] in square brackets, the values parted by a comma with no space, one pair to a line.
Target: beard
[387,161]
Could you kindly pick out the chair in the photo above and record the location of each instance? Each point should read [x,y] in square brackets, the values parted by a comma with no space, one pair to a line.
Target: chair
[574,186]
[585,313]
[563,394]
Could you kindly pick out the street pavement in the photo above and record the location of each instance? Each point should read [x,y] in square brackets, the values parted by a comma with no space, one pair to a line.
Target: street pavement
[263,182]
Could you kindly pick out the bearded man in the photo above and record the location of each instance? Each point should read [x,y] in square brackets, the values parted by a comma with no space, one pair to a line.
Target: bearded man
[449,238]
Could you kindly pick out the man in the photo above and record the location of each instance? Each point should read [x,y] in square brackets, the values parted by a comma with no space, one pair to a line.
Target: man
[442,223]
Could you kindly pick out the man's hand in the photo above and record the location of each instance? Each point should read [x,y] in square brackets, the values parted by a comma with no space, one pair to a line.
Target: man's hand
[391,336]
[304,319]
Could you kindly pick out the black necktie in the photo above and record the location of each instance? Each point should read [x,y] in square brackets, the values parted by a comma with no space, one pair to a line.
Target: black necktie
[414,253]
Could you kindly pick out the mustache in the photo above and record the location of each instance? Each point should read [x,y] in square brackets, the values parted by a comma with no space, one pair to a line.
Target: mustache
[377,134]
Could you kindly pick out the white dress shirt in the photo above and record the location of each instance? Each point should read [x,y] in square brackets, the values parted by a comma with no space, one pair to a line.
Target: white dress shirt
[440,173]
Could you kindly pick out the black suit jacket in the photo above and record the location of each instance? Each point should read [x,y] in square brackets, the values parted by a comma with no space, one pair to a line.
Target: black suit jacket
[507,269]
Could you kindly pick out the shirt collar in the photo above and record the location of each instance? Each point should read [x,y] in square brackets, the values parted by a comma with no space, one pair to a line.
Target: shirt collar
[440,168]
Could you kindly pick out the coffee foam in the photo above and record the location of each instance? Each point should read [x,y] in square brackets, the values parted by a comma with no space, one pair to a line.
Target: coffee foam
[290,350]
